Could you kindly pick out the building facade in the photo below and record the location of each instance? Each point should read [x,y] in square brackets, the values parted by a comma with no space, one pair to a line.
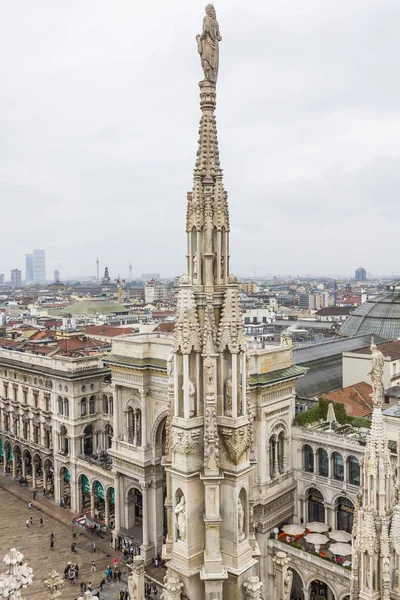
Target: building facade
[16,278]
[28,268]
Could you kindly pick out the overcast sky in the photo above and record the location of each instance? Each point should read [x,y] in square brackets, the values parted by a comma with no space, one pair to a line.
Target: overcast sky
[99,118]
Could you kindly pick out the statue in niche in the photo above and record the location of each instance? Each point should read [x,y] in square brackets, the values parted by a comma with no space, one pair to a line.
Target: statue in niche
[396,580]
[240,519]
[228,396]
[208,45]
[386,570]
[222,266]
[376,372]
[209,369]
[180,511]
[195,266]
[192,394]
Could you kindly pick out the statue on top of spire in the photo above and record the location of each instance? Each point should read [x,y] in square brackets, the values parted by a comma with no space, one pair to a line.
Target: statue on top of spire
[207,45]
[376,372]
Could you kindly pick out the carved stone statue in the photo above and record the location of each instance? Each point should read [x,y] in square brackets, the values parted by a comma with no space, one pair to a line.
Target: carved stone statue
[209,371]
[396,580]
[287,585]
[228,396]
[192,393]
[195,267]
[376,372]
[207,45]
[240,519]
[180,511]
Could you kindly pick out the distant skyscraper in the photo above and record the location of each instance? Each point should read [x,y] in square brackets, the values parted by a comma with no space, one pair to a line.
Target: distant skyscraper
[56,275]
[16,278]
[360,274]
[1,278]
[28,268]
[39,266]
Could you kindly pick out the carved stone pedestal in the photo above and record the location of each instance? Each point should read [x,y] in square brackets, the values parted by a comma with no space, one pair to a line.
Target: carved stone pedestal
[136,579]
[173,589]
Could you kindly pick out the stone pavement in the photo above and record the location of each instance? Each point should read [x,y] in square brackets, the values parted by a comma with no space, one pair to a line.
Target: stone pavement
[34,543]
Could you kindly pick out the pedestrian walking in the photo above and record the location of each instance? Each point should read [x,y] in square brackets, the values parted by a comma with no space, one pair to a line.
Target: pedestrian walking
[94,547]
[52,536]
[52,544]
[115,575]
[119,574]
[83,587]
[27,522]
[30,505]
[41,521]
[103,584]
[93,567]
[89,587]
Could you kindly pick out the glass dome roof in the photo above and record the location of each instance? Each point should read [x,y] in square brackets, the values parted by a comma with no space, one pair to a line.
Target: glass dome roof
[379,315]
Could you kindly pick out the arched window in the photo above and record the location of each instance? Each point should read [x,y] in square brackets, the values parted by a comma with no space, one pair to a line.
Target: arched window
[66,407]
[105,404]
[92,405]
[88,440]
[316,506]
[338,469]
[322,462]
[344,514]
[64,447]
[111,405]
[108,432]
[83,407]
[60,405]
[308,459]
[281,452]
[353,473]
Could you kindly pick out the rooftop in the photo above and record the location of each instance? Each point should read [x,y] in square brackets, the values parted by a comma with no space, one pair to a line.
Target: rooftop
[389,349]
[356,399]
[379,315]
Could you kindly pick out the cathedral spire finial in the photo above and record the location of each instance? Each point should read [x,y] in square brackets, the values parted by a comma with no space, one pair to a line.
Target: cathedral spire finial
[208,45]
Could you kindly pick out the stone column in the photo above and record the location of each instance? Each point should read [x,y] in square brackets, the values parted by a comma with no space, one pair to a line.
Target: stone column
[283,578]
[117,506]
[234,387]
[145,516]
[186,399]
[107,509]
[136,580]
[143,395]
[252,587]
[276,466]
[33,474]
[44,478]
[173,588]
[14,465]
[92,506]
[134,424]
[23,466]
[117,413]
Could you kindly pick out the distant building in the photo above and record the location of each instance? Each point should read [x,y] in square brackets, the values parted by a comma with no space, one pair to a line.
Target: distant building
[1,278]
[360,274]
[16,278]
[56,275]
[28,268]
[39,266]
[313,301]
[148,276]
[154,291]
[106,279]
[249,287]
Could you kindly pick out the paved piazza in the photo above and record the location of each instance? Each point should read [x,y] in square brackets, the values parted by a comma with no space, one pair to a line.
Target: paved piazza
[34,543]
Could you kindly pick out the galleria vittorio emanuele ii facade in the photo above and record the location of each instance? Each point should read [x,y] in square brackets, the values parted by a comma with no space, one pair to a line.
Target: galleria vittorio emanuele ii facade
[184,445]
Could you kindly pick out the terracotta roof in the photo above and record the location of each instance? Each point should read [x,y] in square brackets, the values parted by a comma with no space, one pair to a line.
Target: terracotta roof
[75,343]
[332,311]
[165,327]
[108,330]
[391,349]
[42,335]
[356,399]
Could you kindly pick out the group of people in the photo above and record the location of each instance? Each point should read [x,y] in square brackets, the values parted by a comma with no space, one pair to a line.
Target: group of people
[113,574]
[71,572]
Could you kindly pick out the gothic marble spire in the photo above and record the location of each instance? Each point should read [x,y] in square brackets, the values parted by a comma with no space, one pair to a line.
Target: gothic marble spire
[210,458]
[372,556]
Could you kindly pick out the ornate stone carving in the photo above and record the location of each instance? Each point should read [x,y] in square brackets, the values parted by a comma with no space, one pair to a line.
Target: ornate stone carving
[376,371]
[54,583]
[253,587]
[187,329]
[240,510]
[231,333]
[211,448]
[180,511]
[185,442]
[207,45]
[235,443]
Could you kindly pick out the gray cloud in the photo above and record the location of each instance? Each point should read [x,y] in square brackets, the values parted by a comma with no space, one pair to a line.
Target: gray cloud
[99,117]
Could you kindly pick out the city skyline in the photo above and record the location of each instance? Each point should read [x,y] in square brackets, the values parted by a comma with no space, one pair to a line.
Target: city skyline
[320,140]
